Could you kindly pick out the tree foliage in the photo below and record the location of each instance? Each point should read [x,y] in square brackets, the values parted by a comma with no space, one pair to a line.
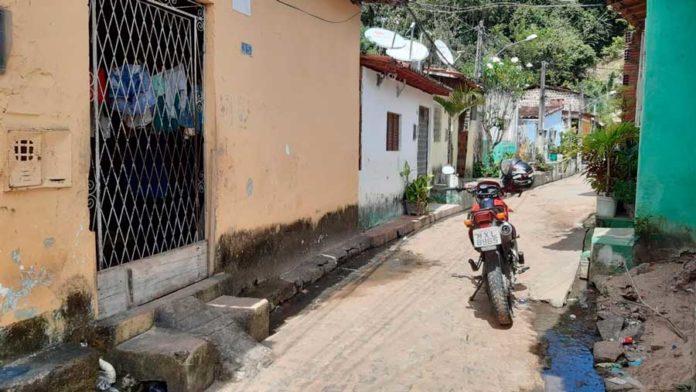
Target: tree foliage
[571,37]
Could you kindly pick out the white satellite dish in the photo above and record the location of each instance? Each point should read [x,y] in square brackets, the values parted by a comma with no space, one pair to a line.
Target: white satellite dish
[444,53]
[385,38]
[413,51]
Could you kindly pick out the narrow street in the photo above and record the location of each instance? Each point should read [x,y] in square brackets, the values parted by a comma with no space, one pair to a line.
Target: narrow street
[403,322]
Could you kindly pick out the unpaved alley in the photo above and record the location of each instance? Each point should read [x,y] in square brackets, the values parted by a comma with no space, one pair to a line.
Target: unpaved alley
[403,321]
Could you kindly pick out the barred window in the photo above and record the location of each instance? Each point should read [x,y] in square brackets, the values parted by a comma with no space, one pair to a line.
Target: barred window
[393,131]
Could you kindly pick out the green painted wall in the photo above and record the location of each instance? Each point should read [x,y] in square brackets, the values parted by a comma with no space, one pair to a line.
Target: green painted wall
[667,163]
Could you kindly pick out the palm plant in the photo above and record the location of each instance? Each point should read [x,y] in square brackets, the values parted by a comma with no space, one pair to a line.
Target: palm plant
[460,100]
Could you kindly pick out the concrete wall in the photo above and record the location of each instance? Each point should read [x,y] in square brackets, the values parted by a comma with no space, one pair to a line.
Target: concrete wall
[281,134]
[381,186]
[286,120]
[666,163]
[47,253]
[438,148]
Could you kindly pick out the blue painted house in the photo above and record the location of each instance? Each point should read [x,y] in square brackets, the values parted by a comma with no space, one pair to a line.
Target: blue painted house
[554,126]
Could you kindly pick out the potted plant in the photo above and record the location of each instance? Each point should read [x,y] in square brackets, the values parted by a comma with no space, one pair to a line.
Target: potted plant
[611,157]
[416,193]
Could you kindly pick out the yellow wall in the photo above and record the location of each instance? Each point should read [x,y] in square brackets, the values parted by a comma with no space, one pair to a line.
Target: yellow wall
[281,133]
[46,248]
[286,118]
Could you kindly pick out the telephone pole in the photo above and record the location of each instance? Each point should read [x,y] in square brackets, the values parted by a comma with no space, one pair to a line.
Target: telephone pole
[479,52]
[540,139]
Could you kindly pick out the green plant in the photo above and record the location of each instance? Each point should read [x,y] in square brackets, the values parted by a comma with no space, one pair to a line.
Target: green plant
[611,155]
[418,190]
[487,168]
[645,227]
[461,99]
[625,191]
[540,163]
[571,143]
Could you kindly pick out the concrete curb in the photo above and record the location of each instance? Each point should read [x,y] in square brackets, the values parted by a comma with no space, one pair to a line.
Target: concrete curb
[290,283]
[314,268]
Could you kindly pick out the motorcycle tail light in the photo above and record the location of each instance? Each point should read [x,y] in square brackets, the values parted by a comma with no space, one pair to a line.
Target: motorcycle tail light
[500,216]
[484,218]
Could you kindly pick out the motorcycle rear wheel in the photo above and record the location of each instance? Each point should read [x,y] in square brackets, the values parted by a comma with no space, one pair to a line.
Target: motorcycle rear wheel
[498,287]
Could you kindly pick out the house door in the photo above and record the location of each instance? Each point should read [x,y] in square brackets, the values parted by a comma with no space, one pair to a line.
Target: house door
[147,174]
[423,140]
[462,144]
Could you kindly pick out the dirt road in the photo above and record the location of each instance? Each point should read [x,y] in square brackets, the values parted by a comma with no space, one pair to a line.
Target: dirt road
[403,322]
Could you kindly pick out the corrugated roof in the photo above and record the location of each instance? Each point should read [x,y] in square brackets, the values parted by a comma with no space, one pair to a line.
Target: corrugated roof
[533,111]
[452,78]
[388,65]
[634,11]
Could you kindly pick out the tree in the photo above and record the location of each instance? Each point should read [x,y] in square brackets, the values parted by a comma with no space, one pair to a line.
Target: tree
[460,100]
[504,83]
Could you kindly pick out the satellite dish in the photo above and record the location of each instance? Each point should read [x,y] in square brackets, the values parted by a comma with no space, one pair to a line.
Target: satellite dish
[444,53]
[385,38]
[413,51]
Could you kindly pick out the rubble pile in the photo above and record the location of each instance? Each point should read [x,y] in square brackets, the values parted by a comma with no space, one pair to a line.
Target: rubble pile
[646,321]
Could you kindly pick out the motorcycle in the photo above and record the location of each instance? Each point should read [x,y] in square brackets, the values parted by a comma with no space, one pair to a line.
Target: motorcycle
[495,238]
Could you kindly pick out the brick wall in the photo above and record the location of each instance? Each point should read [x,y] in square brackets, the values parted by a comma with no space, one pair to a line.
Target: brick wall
[631,73]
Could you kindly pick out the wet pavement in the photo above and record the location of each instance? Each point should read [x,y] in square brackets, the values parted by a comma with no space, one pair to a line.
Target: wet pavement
[399,319]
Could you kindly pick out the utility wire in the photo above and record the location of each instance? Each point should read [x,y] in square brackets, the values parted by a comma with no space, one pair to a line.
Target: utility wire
[441,8]
[317,16]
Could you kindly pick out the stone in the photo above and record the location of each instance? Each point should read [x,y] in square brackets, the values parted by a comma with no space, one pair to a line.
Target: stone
[185,362]
[634,330]
[305,273]
[607,351]
[63,368]
[610,327]
[276,291]
[242,355]
[252,313]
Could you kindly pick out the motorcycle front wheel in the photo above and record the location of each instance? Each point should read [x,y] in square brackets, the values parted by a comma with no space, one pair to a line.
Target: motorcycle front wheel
[497,286]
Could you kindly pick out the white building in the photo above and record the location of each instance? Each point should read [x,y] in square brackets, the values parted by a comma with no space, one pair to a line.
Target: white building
[397,115]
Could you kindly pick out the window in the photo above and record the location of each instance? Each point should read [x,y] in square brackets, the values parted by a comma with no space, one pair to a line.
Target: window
[627,54]
[626,79]
[437,124]
[393,131]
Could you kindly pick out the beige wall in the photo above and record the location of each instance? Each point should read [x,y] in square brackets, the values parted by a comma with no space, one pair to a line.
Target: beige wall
[281,133]
[46,248]
[286,118]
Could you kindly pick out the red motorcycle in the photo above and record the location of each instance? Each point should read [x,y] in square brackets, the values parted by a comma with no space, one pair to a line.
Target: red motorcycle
[495,238]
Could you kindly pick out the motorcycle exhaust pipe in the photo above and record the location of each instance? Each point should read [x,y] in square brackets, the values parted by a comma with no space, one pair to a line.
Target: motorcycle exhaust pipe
[506,230]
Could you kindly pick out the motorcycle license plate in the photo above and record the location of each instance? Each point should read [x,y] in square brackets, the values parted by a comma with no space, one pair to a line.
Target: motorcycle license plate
[487,237]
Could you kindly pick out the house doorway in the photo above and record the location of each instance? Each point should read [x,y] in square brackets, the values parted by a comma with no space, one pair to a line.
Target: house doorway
[462,144]
[147,187]
[423,140]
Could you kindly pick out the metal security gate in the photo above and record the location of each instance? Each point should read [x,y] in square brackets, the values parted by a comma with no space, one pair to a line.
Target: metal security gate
[423,140]
[147,179]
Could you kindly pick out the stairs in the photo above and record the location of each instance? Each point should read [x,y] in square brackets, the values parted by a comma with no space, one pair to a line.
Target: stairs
[189,341]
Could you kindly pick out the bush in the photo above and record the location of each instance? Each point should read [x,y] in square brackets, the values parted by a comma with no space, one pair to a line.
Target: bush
[611,156]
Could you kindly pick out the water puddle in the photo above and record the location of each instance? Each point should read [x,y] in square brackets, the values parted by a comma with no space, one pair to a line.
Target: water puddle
[566,339]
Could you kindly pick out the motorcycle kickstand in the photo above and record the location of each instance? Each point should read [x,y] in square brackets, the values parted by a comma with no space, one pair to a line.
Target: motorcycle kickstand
[478,287]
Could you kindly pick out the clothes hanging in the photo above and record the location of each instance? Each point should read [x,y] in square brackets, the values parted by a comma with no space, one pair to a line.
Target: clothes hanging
[131,93]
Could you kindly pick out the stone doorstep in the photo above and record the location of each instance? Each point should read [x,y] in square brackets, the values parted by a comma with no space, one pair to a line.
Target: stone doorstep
[63,368]
[121,327]
[253,313]
[187,363]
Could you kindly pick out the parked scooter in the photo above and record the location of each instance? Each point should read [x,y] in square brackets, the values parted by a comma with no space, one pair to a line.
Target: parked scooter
[495,238]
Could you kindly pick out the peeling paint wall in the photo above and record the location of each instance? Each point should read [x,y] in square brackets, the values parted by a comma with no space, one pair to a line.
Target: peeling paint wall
[285,147]
[44,244]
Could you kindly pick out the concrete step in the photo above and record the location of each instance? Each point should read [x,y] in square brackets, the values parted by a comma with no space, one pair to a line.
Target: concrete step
[252,314]
[121,327]
[63,368]
[611,249]
[185,362]
[242,356]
